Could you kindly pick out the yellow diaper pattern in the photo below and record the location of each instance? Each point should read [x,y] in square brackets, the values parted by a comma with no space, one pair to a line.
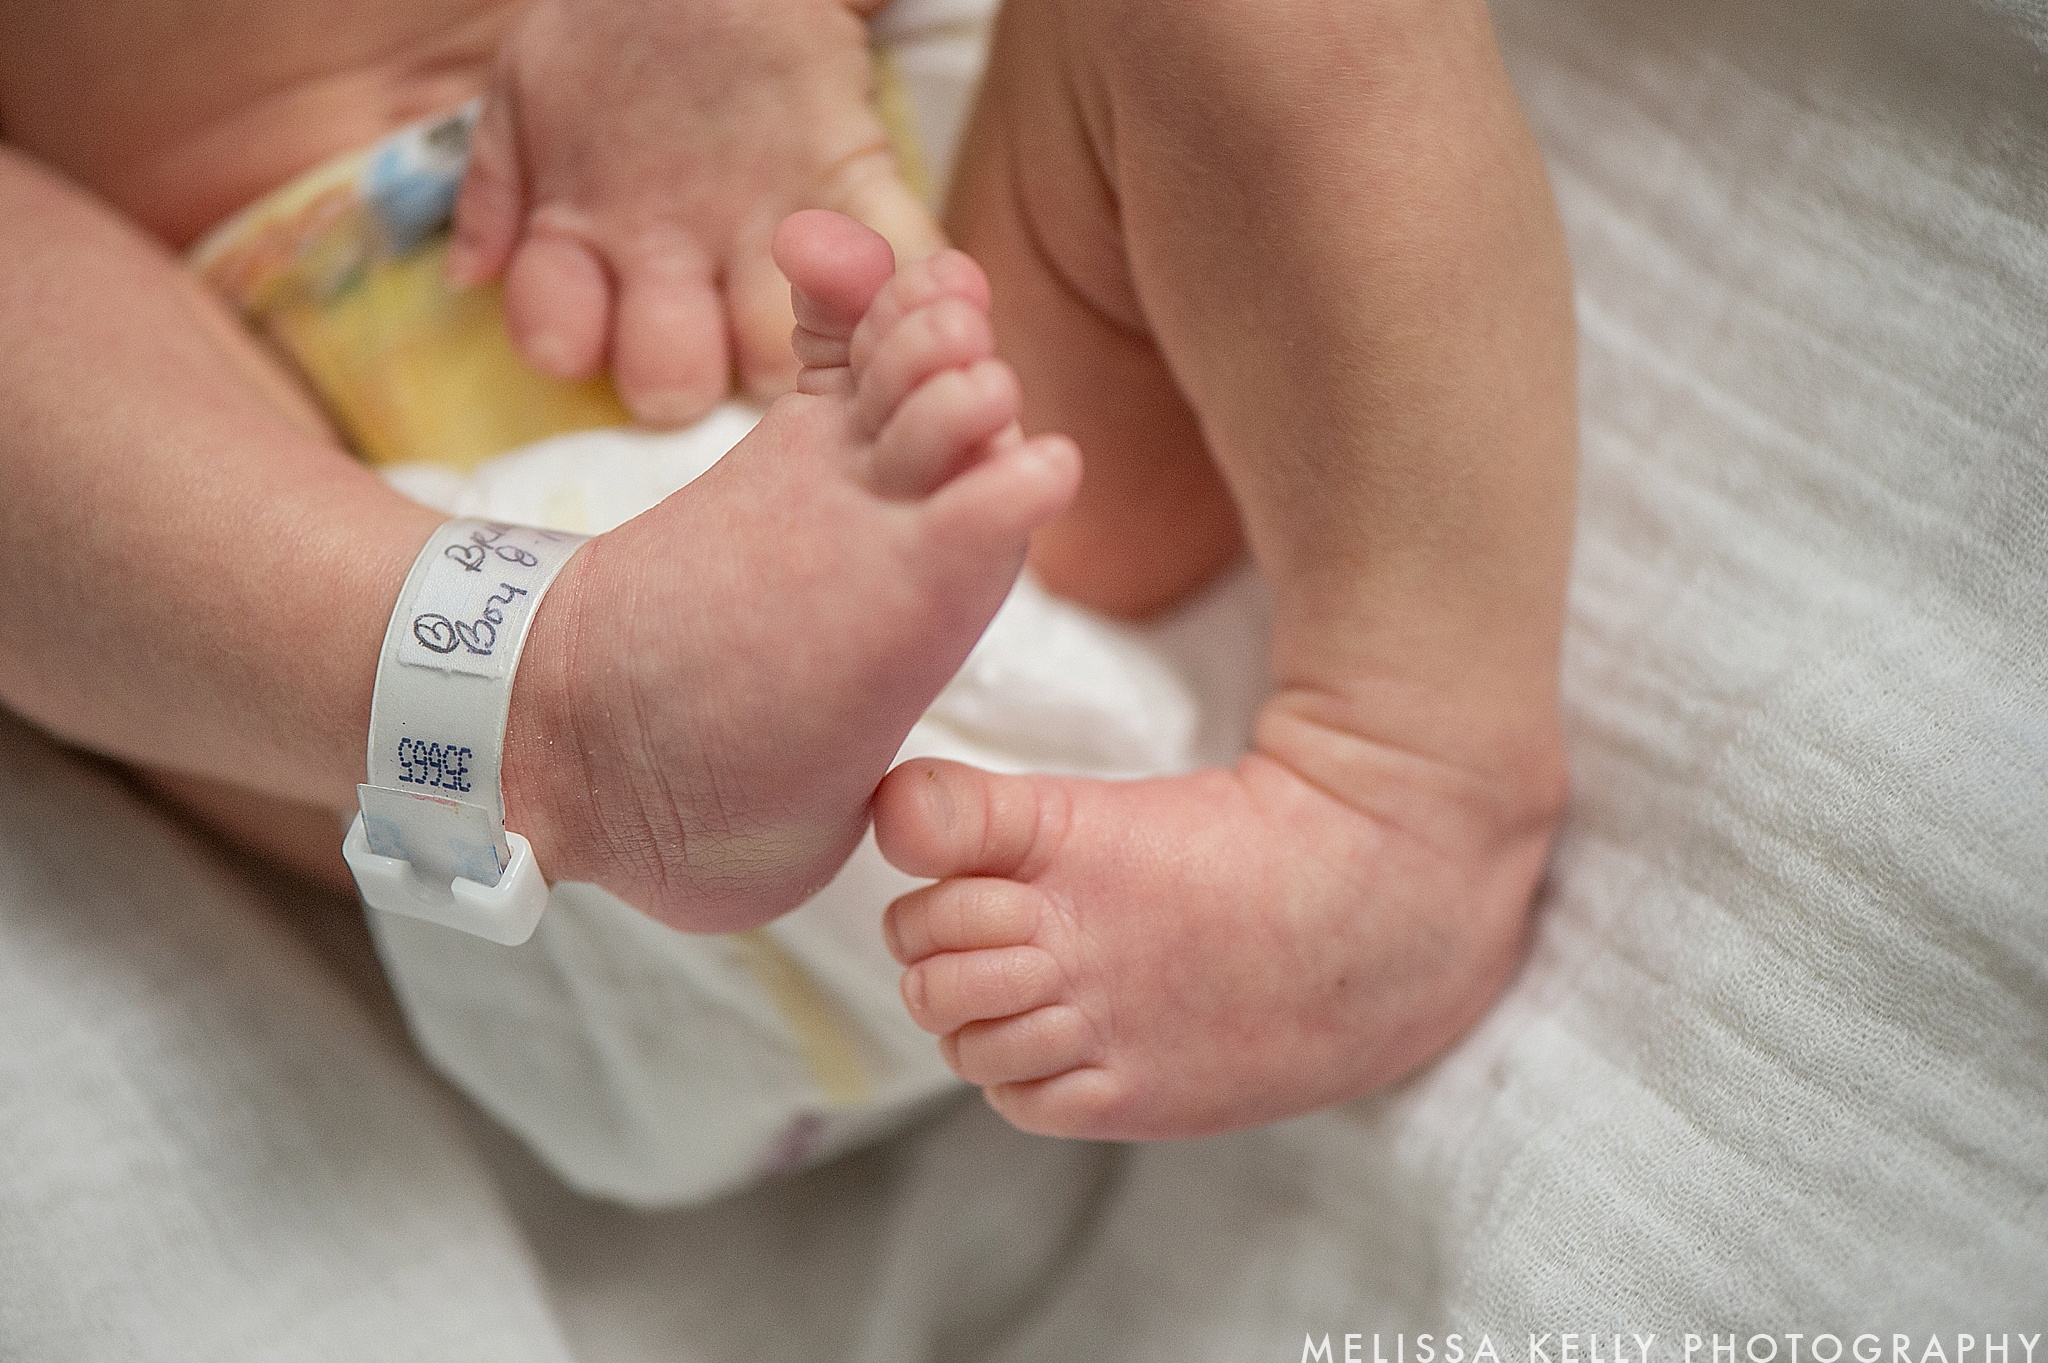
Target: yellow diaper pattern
[342,270]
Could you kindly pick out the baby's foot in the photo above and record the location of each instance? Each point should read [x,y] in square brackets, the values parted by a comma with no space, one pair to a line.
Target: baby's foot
[713,690]
[1190,955]
[630,165]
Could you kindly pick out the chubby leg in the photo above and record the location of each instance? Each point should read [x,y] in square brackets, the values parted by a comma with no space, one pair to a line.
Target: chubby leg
[1288,272]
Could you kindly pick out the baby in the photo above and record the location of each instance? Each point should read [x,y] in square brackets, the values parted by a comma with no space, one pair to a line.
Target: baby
[1287,272]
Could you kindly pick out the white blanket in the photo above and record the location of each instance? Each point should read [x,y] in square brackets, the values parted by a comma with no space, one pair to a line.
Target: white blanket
[1779,1062]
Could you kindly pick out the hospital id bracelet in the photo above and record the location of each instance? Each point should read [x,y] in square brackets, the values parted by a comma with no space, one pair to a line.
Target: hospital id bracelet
[430,840]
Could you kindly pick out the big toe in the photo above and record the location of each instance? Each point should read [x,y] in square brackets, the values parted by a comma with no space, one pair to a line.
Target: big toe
[937,818]
[835,267]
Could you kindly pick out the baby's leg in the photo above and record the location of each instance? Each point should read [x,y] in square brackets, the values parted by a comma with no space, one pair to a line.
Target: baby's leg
[196,579]
[1289,267]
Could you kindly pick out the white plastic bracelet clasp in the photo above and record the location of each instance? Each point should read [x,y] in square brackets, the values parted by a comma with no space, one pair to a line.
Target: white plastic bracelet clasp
[506,913]
[430,840]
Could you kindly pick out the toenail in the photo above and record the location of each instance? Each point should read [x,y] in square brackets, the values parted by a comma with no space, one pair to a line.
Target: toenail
[1044,457]
[938,801]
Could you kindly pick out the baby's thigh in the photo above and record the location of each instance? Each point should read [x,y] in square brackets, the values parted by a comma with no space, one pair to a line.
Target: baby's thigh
[1288,271]
[1032,202]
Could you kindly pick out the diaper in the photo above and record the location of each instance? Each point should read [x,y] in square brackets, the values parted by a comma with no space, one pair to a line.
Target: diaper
[642,1064]
[342,270]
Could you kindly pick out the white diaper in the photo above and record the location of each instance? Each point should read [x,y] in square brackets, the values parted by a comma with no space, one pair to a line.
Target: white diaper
[660,1068]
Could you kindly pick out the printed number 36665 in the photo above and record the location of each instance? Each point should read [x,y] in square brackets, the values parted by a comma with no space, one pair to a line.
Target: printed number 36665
[443,766]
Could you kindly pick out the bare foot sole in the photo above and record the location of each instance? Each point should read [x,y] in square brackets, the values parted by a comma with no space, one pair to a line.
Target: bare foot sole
[732,672]
[1179,957]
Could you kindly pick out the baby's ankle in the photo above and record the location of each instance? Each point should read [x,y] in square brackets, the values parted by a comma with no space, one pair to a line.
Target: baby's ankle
[545,778]
[1496,784]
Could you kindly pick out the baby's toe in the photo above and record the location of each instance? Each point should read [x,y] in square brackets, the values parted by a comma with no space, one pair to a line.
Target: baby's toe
[942,426]
[947,275]
[947,991]
[669,355]
[1089,1102]
[836,268]
[1014,487]
[558,304]
[947,334]
[972,914]
[937,818]
[1015,1050]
